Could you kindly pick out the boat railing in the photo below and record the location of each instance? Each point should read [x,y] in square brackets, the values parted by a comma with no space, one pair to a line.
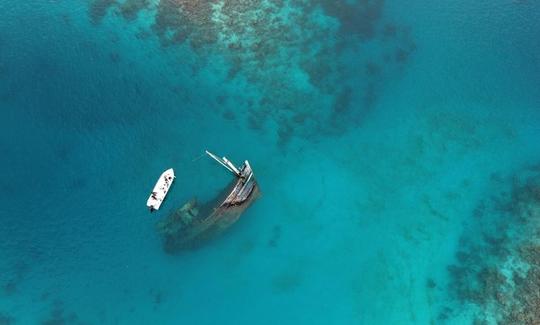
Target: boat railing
[225,163]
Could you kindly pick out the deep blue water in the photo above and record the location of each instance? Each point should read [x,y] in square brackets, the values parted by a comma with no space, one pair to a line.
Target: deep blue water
[396,145]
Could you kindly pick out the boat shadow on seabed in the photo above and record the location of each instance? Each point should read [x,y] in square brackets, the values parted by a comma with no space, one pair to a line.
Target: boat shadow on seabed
[192,225]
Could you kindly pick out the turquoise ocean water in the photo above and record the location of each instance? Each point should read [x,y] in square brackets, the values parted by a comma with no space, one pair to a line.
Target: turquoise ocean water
[396,145]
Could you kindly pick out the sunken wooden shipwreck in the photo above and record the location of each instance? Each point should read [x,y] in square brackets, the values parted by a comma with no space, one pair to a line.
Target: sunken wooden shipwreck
[192,224]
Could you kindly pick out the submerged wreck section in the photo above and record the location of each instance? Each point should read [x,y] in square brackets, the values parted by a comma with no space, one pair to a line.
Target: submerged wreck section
[192,225]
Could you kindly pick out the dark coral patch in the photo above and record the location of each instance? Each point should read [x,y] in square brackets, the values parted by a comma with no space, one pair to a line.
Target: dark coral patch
[58,316]
[115,57]
[276,235]
[157,296]
[180,20]
[10,287]
[143,34]
[389,31]
[62,152]
[357,18]
[342,102]
[285,133]
[221,99]
[229,115]
[130,8]
[372,69]
[6,319]
[99,8]
[78,184]
[19,271]
[401,55]
[430,283]
[55,318]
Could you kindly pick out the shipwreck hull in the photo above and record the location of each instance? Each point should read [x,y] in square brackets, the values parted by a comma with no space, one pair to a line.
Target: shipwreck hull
[191,226]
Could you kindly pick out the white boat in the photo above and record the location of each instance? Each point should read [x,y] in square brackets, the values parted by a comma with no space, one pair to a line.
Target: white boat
[160,190]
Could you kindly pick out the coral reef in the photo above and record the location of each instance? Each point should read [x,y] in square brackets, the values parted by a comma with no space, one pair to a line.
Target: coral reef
[526,308]
[312,63]
[499,271]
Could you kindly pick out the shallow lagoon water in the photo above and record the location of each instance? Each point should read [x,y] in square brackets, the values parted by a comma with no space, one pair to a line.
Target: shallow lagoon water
[387,138]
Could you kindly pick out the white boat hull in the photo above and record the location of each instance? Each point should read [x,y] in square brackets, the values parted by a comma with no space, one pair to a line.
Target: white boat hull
[160,190]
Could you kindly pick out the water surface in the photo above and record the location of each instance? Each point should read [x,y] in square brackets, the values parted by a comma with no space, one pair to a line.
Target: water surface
[396,146]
